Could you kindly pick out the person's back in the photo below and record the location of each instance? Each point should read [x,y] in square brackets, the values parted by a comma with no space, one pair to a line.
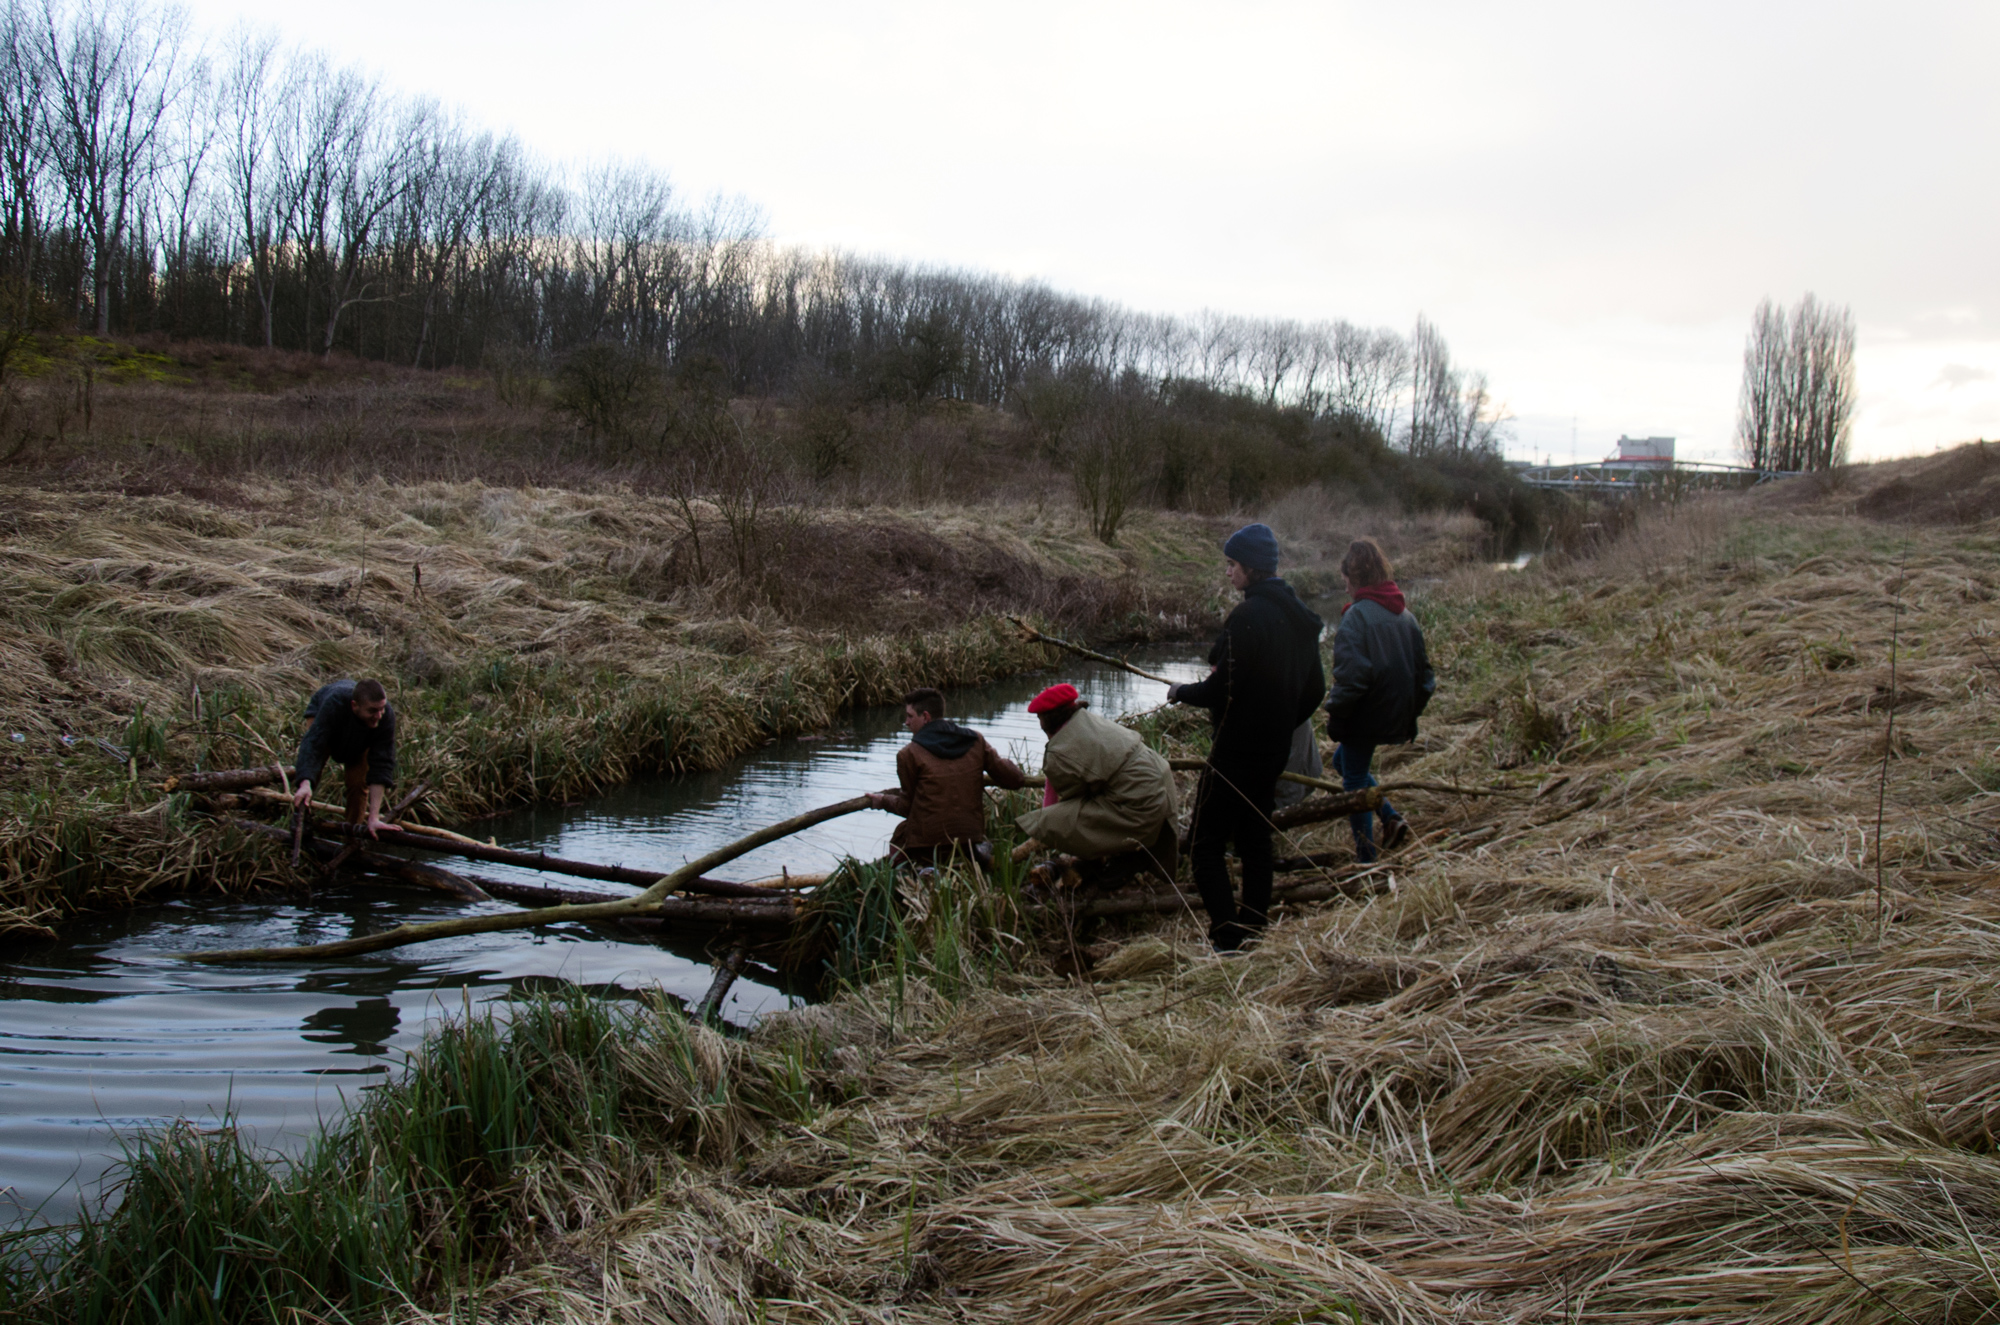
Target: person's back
[1382,679]
[1268,677]
[1382,674]
[1265,679]
[941,777]
[1113,792]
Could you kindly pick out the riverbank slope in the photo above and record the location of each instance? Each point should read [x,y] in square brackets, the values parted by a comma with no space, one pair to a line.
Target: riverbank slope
[541,643]
[1699,1023]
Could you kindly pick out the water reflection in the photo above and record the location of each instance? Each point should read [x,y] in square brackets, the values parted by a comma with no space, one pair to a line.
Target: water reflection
[663,824]
[105,1030]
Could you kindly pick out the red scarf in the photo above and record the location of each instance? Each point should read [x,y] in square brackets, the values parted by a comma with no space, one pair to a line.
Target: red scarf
[1385,593]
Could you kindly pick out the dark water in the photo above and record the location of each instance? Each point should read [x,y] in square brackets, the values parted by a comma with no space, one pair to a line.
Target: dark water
[104,1031]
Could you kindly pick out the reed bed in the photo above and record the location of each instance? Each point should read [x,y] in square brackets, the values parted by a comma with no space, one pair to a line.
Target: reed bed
[1676,1032]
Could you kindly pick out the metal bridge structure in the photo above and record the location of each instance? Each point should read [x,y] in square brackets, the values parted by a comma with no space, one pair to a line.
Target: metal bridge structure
[1648,477]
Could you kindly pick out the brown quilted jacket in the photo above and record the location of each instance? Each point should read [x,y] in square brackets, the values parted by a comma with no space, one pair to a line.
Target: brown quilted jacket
[940,799]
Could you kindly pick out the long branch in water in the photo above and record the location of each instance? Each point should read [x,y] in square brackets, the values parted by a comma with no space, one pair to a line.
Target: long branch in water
[1034,636]
[649,900]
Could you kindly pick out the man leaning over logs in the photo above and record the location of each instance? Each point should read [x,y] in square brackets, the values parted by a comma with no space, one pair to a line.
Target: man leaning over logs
[351,721]
[1110,800]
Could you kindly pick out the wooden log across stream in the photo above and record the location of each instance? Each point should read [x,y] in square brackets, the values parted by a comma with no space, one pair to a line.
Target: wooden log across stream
[773,904]
[538,860]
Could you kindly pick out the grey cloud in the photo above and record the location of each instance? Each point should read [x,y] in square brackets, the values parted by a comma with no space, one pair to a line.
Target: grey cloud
[1956,375]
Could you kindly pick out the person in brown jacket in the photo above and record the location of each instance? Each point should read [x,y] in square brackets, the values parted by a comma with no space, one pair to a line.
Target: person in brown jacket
[942,773]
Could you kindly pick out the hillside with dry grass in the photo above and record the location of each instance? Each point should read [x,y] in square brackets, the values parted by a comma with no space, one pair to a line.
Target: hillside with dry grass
[542,643]
[1698,1024]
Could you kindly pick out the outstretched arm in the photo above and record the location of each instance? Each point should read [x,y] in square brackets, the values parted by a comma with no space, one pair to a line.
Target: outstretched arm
[899,799]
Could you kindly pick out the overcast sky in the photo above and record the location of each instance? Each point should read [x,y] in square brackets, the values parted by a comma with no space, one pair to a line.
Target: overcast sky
[1588,199]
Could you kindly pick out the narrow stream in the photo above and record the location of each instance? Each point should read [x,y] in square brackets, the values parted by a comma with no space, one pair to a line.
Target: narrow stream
[104,1031]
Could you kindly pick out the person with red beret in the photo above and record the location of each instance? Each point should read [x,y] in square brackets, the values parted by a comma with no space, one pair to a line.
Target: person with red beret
[941,777]
[1110,800]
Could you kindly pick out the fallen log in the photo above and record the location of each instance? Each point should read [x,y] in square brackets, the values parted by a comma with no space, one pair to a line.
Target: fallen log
[397,811]
[535,894]
[543,862]
[780,912]
[1321,808]
[225,779]
[649,902]
[771,908]
[424,876]
[331,858]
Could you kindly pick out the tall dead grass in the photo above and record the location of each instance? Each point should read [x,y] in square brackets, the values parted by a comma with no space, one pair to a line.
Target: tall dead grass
[541,644]
[1632,1045]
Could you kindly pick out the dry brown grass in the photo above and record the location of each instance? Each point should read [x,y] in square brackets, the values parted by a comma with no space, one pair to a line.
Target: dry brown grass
[1635,1045]
[555,642]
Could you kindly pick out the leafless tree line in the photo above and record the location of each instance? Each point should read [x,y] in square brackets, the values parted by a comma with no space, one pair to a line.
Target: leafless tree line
[153,181]
[1797,405]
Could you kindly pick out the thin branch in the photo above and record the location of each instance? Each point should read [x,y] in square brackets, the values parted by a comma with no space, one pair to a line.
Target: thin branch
[1033,636]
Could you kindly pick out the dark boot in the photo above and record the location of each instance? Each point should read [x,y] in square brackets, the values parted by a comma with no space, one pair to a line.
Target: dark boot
[1395,830]
[1232,936]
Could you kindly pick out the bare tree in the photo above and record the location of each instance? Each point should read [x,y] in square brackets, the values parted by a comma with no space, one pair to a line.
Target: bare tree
[1108,457]
[351,169]
[455,181]
[1796,408]
[1434,390]
[1370,369]
[1276,349]
[113,72]
[185,185]
[23,137]
[254,114]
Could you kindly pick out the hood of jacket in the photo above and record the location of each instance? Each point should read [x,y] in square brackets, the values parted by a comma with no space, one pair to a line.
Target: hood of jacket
[1279,594]
[1386,594]
[945,738]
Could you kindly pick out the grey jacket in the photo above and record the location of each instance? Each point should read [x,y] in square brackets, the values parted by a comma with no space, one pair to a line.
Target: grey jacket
[1382,676]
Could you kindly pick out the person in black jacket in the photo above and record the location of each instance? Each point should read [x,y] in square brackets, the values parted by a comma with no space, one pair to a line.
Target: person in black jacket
[1265,680]
[353,723]
[1382,680]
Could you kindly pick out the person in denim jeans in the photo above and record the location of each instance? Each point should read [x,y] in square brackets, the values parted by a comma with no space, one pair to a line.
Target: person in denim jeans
[1382,679]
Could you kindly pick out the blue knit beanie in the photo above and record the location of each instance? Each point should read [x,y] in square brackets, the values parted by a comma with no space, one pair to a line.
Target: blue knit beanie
[1253,547]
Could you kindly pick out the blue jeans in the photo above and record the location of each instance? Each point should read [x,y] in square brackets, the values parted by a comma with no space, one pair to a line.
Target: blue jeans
[1352,759]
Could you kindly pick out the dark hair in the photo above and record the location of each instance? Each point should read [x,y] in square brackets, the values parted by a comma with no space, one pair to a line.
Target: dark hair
[1364,563]
[369,692]
[927,700]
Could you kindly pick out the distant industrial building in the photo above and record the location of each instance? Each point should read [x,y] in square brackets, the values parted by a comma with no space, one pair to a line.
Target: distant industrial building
[1644,463]
[1641,453]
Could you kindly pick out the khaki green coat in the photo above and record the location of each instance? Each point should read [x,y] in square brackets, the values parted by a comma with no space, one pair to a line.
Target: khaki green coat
[1113,792]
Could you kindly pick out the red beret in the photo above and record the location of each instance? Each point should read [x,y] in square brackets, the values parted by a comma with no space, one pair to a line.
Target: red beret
[1055,697]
